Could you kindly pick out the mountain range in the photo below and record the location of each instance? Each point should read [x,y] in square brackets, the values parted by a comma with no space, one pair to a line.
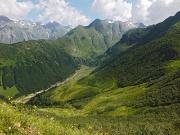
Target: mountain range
[22,30]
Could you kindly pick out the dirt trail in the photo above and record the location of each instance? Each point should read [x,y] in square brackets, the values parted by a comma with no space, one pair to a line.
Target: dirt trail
[27,98]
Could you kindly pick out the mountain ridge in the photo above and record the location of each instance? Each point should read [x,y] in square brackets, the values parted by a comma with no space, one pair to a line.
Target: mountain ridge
[138,37]
[24,30]
[93,40]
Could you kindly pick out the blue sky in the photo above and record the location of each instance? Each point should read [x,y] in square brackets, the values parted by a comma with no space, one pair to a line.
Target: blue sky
[82,12]
[84,6]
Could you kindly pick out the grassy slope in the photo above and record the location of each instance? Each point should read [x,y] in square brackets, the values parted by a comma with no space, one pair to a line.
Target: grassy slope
[32,120]
[118,111]
[23,121]
[83,43]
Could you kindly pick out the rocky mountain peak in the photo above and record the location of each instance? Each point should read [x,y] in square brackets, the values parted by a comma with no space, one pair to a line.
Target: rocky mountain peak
[52,24]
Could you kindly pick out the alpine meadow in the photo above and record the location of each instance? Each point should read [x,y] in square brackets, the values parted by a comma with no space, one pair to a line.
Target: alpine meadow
[106,78]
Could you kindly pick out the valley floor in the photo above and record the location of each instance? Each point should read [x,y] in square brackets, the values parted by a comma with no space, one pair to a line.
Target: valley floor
[82,72]
[20,119]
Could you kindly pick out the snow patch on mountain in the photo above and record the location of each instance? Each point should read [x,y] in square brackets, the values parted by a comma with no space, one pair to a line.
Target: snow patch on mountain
[23,30]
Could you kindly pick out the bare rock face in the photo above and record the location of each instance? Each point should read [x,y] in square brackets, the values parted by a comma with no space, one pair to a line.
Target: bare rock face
[17,31]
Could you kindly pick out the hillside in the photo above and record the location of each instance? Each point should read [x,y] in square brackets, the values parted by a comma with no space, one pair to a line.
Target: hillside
[141,83]
[34,65]
[91,41]
[152,77]
[28,120]
[139,37]
[22,120]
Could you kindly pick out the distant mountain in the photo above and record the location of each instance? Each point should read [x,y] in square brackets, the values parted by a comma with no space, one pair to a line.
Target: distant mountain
[93,40]
[17,31]
[112,31]
[23,30]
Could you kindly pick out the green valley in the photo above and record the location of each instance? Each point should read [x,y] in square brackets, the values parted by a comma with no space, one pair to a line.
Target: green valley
[28,67]
[138,85]
[131,88]
[32,66]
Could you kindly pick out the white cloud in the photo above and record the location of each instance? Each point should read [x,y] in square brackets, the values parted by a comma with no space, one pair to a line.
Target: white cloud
[52,10]
[161,9]
[60,11]
[146,11]
[14,9]
[154,11]
[113,9]
[140,11]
